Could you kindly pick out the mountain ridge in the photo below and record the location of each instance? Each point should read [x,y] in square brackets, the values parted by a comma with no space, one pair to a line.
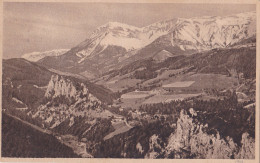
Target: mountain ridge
[36,56]
[114,43]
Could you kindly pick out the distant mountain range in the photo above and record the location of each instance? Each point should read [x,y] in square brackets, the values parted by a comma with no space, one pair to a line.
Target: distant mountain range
[116,43]
[36,56]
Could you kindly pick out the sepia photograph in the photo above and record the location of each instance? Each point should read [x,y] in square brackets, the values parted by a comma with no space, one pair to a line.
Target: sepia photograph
[129,80]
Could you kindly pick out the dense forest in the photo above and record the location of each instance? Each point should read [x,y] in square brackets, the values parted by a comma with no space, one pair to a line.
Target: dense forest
[124,145]
[226,116]
[216,61]
[21,140]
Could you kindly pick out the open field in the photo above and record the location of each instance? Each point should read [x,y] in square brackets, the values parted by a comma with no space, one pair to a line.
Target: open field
[120,127]
[136,94]
[135,99]
[179,84]
[133,103]
[168,98]
[120,84]
[201,81]
[212,81]
[162,76]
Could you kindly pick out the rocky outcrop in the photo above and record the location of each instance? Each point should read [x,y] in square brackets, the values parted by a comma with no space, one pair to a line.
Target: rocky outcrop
[248,148]
[65,100]
[190,140]
[155,147]
[60,86]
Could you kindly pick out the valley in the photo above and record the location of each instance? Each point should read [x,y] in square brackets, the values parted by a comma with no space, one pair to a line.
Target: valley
[176,89]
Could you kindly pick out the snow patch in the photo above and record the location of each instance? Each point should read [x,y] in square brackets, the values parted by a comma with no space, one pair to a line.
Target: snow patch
[36,56]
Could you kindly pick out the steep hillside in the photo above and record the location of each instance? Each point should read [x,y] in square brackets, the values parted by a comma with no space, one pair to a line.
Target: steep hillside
[56,103]
[21,70]
[20,140]
[25,83]
[236,62]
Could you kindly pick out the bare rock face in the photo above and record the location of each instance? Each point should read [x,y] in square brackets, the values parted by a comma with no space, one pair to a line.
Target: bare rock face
[155,147]
[189,139]
[181,138]
[60,86]
[209,146]
[247,150]
[205,33]
[66,100]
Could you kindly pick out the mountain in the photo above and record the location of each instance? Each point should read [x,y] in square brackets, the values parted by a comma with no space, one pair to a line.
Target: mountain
[68,97]
[23,141]
[122,35]
[36,56]
[30,91]
[27,82]
[54,104]
[23,81]
[106,46]
[231,64]
[206,33]
[186,90]
[115,43]
[162,56]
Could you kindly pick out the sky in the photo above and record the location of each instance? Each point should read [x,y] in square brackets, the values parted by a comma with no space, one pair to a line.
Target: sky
[30,27]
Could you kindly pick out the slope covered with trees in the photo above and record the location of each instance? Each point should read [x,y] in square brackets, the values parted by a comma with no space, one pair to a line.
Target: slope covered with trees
[21,140]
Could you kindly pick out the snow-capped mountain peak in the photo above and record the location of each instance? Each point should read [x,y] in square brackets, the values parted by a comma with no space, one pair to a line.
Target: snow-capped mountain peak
[114,42]
[123,35]
[204,33]
[199,33]
[36,56]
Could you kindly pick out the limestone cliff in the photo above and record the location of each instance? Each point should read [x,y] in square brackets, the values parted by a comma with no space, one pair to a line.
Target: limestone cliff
[65,99]
[190,139]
